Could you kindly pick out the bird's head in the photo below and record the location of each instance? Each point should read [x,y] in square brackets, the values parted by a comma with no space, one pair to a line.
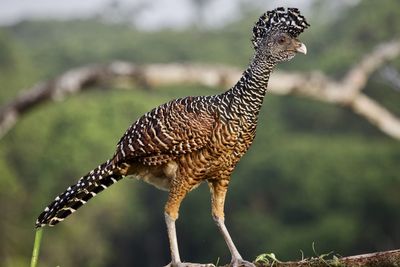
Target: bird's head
[275,33]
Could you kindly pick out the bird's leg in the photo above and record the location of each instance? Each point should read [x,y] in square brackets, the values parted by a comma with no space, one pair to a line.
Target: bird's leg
[177,193]
[175,197]
[218,190]
[173,242]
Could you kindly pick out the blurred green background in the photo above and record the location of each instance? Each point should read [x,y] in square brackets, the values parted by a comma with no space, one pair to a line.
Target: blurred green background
[316,172]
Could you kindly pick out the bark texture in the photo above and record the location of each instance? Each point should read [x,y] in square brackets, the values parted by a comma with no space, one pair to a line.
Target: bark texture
[377,259]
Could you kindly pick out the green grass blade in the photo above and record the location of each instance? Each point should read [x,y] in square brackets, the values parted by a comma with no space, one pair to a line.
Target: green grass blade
[36,247]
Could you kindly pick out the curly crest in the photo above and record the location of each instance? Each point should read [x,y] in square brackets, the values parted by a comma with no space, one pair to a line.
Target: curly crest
[290,21]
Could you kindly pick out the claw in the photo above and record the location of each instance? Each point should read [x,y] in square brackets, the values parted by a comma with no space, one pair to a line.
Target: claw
[241,263]
[189,264]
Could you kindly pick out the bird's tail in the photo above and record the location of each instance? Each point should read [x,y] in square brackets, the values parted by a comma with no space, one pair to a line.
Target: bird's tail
[77,195]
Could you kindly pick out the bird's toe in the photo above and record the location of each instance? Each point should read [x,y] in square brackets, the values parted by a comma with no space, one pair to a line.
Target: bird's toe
[241,263]
[189,264]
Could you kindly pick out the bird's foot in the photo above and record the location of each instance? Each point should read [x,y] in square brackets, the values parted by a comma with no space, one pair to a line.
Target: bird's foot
[241,263]
[189,264]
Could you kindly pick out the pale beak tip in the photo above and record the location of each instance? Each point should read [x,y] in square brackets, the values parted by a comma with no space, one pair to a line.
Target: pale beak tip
[302,49]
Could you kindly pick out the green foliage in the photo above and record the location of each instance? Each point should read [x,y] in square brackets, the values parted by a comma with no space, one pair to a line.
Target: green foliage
[316,173]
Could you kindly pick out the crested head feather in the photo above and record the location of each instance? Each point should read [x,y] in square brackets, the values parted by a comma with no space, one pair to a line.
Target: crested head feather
[289,21]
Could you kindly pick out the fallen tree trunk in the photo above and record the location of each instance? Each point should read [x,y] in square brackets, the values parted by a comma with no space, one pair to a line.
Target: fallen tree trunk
[377,259]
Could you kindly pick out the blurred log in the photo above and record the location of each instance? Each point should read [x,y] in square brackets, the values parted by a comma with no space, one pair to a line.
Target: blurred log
[346,92]
[378,259]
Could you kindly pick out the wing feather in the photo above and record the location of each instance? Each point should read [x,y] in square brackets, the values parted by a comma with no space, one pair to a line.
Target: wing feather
[174,128]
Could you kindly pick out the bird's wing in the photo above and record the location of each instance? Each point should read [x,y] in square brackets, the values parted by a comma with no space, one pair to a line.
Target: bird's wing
[177,127]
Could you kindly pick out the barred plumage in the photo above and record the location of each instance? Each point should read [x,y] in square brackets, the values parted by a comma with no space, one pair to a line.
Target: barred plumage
[184,142]
[78,194]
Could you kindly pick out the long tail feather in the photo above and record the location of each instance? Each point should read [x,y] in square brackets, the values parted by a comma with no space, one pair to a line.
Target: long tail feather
[77,195]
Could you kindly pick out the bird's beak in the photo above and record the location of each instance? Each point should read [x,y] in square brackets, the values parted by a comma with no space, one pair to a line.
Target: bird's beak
[301,48]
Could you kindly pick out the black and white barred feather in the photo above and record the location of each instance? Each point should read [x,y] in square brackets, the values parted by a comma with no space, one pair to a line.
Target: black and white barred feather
[78,194]
[279,19]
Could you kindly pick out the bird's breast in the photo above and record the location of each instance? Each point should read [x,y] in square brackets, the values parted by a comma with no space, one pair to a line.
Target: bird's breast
[228,144]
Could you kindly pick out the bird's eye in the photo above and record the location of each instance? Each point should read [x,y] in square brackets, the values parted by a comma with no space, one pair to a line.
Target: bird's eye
[281,40]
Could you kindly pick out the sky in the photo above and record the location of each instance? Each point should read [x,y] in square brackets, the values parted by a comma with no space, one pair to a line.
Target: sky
[154,14]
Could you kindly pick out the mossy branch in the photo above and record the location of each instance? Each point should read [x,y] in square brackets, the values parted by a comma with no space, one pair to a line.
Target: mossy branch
[377,259]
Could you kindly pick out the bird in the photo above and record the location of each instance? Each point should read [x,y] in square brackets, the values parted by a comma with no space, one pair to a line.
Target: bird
[184,142]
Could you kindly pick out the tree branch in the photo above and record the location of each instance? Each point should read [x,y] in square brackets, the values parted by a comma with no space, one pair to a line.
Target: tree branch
[377,259]
[346,92]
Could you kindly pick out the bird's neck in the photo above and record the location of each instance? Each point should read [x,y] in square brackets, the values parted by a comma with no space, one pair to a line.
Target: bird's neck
[247,96]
